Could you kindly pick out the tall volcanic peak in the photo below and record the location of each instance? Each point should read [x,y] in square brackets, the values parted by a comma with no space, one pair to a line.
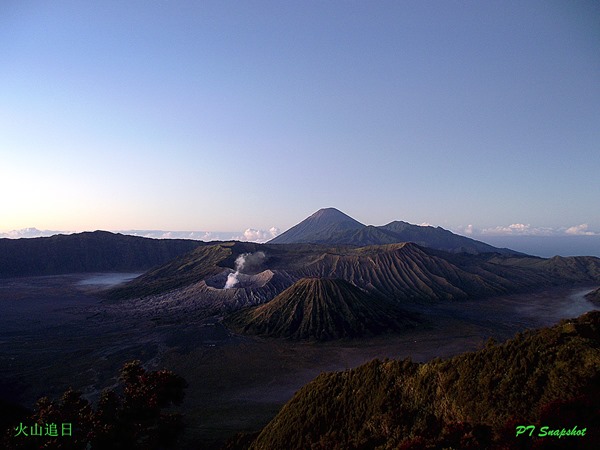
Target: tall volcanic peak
[334,216]
[321,227]
[332,227]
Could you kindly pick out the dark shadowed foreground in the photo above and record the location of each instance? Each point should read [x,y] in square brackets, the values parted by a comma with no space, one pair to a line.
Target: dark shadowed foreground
[55,333]
[548,377]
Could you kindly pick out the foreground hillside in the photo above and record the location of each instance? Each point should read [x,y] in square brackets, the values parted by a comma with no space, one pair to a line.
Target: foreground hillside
[549,377]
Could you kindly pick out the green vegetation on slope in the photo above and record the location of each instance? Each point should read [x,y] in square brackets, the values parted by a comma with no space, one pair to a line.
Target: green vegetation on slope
[475,400]
[130,418]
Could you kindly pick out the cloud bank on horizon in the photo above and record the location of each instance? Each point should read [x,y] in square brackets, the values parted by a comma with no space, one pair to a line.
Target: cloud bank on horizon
[521,229]
[539,241]
[261,236]
[249,235]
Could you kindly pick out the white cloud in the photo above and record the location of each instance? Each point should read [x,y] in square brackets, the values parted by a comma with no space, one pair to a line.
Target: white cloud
[515,228]
[259,236]
[31,233]
[425,224]
[518,229]
[522,229]
[580,230]
[161,234]
[249,235]
[205,236]
[464,230]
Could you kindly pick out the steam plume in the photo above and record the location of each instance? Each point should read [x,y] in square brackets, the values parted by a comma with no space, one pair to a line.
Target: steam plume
[232,278]
[245,259]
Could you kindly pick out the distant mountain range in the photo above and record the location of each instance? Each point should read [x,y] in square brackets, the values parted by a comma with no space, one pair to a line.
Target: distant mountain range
[325,290]
[104,251]
[98,251]
[332,227]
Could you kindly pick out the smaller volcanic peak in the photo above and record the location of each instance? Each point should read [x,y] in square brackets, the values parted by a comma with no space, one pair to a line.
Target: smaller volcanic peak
[322,226]
[321,309]
[438,238]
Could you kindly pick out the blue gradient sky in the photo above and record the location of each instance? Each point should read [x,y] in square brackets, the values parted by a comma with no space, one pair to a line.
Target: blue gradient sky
[222,115]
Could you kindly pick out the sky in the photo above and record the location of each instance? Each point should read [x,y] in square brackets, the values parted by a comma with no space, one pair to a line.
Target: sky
[480,117]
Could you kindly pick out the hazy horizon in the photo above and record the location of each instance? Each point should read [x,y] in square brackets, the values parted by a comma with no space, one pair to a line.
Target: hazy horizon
[544,246]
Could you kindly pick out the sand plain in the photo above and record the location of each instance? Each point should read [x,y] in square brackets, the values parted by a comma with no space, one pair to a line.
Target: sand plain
[57,332]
